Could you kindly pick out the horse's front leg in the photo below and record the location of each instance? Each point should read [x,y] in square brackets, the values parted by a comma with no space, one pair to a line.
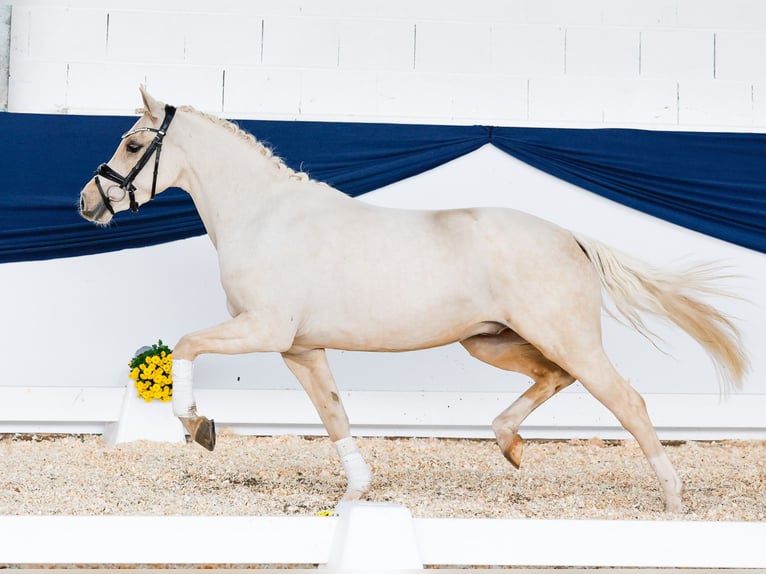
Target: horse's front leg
[201,429]
[243,334]
[313,372]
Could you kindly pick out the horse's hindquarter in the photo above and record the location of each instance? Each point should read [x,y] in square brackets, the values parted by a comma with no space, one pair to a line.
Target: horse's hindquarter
[359,277]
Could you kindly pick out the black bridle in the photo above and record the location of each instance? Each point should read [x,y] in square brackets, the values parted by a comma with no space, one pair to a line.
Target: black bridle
[125,183]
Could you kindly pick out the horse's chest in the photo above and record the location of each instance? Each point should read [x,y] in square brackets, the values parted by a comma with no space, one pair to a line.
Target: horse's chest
[258,283]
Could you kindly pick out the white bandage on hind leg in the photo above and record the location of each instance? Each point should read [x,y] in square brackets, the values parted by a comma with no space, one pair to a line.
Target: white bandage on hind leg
[183,396]
[357,471]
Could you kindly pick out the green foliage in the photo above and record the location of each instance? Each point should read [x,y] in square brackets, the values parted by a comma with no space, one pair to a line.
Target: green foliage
[155,349]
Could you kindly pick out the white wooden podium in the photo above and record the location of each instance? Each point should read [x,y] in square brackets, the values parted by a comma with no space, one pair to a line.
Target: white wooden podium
[140,420]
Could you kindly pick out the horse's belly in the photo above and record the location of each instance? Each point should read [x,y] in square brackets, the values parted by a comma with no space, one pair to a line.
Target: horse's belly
[391,326]
[396,341]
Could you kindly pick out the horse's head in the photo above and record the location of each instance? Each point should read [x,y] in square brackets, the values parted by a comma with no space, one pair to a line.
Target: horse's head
[134,174]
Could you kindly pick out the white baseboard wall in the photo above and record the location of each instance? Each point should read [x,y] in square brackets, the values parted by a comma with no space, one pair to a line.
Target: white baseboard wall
[393,413]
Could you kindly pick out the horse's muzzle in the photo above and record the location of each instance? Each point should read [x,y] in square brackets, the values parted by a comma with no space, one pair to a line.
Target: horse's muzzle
[95,214]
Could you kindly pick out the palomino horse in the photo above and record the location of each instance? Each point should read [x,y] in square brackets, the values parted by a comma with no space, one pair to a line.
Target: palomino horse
[306,268]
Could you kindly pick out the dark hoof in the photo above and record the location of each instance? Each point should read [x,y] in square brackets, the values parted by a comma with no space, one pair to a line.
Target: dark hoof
[201,430]
[514,451]
[205,434]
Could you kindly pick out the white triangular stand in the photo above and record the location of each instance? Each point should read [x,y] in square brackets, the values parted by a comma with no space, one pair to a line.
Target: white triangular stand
[140,420]
[374,536]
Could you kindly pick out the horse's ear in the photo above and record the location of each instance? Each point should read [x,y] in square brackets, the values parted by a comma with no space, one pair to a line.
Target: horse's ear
[155,108]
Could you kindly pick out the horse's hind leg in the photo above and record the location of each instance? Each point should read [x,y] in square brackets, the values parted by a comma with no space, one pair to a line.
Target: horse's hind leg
[589,363]
[605,383]
[580,352]
[565,326]
[510,352]
[313,372]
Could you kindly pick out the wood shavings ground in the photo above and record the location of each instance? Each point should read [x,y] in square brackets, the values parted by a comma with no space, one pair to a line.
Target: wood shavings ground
[434,478]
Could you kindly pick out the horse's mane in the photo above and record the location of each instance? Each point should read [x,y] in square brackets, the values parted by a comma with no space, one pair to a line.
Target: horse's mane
[261,148]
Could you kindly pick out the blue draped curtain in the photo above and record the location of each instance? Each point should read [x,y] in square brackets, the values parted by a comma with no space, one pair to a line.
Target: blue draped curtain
[714,183]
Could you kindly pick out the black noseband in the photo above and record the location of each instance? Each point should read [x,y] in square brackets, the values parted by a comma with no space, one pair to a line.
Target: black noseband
[125,183]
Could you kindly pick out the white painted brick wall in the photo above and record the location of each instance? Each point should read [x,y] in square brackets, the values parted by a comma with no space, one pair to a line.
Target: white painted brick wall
[201,84]
[453,47]
[262,92]
[528,51]
[37,86]
[639,63]
[300,43]
[376,45]
[351,93]
[566,100]
[5,39]
[611,52]
[111,88]
[484,98]
[677,54]
[722,14]
[156,38]
[714,102]
[634,101]
[566,12]
[215,39]
[639,13]
[415,96]
[759,103]
[740,55]
[58,33]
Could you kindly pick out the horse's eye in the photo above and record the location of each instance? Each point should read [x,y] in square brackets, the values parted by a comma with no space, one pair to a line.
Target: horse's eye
[133,147]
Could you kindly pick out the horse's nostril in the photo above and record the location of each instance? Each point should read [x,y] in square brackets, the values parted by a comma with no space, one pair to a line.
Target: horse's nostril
[82,203]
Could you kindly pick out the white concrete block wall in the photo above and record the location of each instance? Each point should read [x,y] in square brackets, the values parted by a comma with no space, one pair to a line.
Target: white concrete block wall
[642,102]
[759,103]
[204,33]
[740,55]
[690,64]
[677,53]
[715,102]
[453,47]
[376,45]
[5,39]
[528,51]
[640,13]
[145,37]
[602,51]
[726,14]
[261,92]
[300,43]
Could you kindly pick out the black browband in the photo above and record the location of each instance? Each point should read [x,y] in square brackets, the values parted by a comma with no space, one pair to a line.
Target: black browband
[126,183]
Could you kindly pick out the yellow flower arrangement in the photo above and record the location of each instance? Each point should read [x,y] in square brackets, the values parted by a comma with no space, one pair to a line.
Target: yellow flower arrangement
[151,369]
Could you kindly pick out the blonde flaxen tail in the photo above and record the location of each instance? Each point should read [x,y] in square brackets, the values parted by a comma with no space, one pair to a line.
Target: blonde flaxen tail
[637,288]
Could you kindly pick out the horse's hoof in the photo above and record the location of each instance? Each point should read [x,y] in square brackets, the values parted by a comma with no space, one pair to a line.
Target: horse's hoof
[674,506]
[201,429]
[205,434]
[514,450]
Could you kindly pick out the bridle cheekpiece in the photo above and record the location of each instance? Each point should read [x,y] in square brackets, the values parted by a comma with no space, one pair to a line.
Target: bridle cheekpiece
[125,183]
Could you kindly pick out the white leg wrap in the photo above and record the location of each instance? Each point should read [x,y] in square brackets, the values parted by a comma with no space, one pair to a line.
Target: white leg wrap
[357,471]
[183,396]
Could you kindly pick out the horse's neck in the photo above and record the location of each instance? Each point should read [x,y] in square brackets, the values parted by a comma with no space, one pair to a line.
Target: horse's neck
[225,174]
